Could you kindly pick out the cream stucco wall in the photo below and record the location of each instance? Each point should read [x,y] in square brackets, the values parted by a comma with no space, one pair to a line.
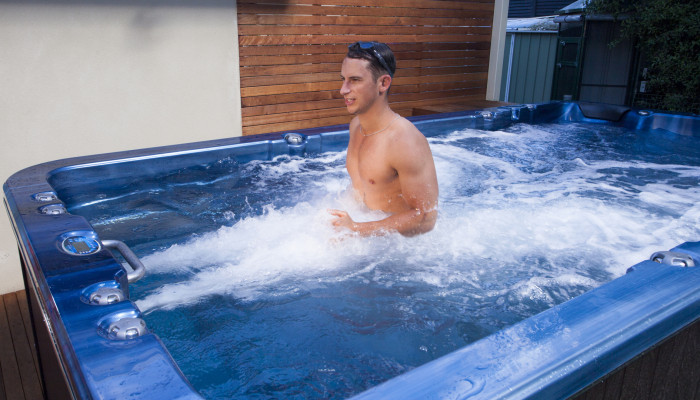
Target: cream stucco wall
[86,77]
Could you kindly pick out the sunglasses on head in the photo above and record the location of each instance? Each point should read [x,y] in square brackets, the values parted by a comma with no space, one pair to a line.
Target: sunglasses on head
[369,48]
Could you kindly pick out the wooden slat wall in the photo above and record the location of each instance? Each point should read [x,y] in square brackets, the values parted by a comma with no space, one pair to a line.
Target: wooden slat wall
[291,51]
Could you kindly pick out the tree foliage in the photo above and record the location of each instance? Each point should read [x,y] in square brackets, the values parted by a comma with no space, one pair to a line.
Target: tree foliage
[667,33]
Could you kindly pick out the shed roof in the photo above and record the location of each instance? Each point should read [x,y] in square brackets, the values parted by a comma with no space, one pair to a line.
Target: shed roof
[576,7]
[535,24]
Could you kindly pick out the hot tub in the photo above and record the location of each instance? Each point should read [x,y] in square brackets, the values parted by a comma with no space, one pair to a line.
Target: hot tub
[95,325]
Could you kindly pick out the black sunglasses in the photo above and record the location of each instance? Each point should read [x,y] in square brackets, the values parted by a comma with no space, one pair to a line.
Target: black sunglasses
[369,46]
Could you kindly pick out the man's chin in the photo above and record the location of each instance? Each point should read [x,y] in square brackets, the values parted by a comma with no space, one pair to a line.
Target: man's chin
[355,111]
[352,108]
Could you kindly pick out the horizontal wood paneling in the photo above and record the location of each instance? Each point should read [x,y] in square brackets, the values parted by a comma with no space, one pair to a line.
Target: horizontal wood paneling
[291,51]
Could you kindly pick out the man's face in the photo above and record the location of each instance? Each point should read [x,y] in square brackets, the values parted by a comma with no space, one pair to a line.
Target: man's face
[359,89]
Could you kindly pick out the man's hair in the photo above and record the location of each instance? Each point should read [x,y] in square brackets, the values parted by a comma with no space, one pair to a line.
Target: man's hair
[357,52]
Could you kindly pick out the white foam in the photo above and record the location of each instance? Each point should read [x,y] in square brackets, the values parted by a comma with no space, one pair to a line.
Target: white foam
[511,216]
[260,252]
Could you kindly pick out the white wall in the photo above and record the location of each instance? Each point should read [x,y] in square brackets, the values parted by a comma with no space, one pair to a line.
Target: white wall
[87,77]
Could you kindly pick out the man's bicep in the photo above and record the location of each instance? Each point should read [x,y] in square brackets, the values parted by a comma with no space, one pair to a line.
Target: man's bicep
[419,190]
[418,182]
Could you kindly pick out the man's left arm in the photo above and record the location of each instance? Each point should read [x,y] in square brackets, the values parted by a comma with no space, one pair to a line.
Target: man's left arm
[419,187]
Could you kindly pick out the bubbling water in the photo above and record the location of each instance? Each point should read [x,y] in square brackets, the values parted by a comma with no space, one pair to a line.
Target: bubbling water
[274,302]
[495,212]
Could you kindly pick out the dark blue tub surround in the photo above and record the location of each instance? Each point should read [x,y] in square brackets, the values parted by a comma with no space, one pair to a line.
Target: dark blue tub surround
[551,355]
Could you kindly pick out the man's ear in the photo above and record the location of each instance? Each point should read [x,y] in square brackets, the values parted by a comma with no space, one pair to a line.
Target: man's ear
[384,83]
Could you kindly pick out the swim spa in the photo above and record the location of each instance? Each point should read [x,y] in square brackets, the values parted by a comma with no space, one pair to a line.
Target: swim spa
[522,290]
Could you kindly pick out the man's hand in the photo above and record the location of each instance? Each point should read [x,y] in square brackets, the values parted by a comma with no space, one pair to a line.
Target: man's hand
[342,220]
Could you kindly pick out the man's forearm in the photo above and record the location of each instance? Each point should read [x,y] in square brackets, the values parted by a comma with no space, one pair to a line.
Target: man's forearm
[408,223]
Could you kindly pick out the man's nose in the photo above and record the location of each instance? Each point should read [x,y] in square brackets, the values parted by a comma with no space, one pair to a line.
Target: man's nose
[344,89]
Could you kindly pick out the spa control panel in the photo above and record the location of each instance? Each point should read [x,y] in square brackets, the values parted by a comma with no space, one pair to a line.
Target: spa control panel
[80,243]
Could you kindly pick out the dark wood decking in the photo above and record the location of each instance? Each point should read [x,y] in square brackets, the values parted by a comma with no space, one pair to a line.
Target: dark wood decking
[458,106]
[18,357]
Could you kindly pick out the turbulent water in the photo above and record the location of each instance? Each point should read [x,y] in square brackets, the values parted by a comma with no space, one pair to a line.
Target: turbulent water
[266,300]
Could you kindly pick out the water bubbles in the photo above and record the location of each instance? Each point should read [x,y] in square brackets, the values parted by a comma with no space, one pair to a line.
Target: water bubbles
[528,218]
[514,205]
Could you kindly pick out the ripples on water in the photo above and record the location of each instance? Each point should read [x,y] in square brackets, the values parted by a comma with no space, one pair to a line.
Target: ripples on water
[265,299]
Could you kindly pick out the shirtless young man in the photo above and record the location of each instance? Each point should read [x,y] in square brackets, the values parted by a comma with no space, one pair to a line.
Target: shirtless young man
[388,158]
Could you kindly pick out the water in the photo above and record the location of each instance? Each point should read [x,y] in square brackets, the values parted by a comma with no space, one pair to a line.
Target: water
[255,295]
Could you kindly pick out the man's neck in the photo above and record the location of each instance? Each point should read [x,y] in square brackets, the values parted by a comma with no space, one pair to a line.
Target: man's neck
[376,117]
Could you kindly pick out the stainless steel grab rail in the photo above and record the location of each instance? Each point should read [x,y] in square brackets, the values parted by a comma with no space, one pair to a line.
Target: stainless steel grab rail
[138,269]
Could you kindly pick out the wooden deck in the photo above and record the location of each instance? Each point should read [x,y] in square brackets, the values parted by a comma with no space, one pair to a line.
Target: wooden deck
[458,106]
[18,356]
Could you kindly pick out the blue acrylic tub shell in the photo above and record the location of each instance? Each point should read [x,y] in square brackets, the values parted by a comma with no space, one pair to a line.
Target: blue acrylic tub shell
[550,355]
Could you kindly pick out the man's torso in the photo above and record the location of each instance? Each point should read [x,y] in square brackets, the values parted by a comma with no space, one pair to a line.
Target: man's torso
[375,181]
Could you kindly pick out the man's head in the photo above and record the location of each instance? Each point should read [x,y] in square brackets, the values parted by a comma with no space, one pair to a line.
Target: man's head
[380,57]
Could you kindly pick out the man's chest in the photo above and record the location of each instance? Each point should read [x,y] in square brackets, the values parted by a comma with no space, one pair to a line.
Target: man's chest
[372,166]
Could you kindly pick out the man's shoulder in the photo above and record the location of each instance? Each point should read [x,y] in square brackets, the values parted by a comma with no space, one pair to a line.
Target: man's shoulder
[405,141]
[407,131]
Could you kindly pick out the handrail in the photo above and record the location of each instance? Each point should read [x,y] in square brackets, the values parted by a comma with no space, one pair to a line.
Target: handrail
[138,269]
